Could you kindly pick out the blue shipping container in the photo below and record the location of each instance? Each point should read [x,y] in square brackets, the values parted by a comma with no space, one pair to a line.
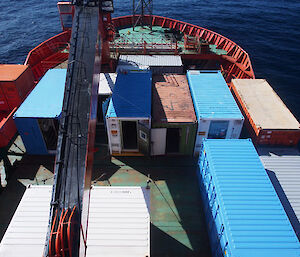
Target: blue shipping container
[131,97]
[44,102]
[211,96]
[218,115]
[244,214]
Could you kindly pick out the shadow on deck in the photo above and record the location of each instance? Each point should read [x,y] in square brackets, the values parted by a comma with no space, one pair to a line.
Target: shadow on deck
[177,219]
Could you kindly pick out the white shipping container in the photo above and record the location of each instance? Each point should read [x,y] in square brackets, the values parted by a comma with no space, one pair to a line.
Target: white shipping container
[217,128]
[26,233]
[217,112]
[119,222]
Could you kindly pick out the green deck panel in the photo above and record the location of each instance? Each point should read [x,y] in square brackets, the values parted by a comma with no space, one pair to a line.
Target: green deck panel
[177,219]
[157,35]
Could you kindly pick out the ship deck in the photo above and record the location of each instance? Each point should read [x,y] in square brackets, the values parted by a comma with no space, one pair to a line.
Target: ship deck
[177,219]
[157,39]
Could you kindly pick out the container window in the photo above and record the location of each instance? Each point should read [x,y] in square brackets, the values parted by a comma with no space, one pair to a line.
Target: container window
[143,135]
[218,129]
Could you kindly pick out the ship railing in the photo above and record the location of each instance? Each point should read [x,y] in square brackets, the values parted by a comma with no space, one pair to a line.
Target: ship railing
[236,63]
[48,54]
[144,44]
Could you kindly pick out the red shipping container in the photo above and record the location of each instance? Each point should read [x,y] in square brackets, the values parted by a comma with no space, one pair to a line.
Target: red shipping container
[267,118]
[7,127]
[16,82]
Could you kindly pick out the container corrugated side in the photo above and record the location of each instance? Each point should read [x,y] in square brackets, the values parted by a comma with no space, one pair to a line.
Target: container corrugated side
[16,81]
[245,216]
[119,222]
[268,120]
[158,64]
[283,167]
[26,233]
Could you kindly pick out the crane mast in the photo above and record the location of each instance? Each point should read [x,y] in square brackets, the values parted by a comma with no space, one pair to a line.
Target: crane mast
[67,228]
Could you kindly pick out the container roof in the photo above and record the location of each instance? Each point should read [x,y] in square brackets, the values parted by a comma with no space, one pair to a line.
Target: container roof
[265,107]
[150,60]
[131,96]
[10,72]
[26,233]
[119,222]
[107,83]
[255,222]
[283,165]
[46,99]
[211,96]
[172,100]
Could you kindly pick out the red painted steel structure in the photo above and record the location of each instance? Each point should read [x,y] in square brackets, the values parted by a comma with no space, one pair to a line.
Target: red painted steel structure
[49,54]
[236,63]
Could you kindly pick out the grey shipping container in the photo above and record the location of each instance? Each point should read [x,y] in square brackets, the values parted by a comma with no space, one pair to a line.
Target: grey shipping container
[158,64]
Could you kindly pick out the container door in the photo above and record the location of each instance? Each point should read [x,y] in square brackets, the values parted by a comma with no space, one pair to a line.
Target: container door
[129,137]
[114,135]
[143,139]
[49,129]
[31,135]
[158,141]
[173,140]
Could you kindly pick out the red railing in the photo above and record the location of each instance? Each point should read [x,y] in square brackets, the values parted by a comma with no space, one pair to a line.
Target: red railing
[48,54]
[236,63]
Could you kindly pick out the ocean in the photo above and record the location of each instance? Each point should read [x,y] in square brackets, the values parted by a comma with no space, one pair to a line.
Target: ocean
[269,30]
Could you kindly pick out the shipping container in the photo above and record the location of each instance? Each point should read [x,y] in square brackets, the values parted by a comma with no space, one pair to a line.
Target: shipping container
[106,86]
[174,121]
[16,81]
[7,127]
[283,167]
[158,64]
[217,113]
[119,222]
[244,214]
[128,117]
[26,233]
[38,116]
[268,120]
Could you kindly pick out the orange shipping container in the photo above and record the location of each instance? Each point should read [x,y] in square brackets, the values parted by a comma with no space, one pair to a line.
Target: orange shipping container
[267,118]
[16,81]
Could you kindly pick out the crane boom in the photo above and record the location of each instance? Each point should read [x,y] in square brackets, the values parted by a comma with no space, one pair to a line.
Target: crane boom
[70,197]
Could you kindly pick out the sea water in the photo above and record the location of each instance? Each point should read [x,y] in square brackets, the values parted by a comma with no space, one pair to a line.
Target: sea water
[269,30]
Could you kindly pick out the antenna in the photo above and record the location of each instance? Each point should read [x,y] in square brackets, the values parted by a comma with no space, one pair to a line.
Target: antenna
[140,8]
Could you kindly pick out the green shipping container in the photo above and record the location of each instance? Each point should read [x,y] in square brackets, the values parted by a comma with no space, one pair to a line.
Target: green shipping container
[173,118]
